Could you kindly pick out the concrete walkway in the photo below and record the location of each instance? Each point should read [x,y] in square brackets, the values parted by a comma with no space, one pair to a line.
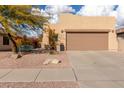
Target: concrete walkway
[36,75]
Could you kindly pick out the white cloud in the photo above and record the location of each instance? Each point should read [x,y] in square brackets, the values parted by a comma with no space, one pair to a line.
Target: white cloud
[51,9]
[54,11]
[43,13]
[95,10]
[59,9]
[114,13]
[54,19]
[66,9]
[120,15]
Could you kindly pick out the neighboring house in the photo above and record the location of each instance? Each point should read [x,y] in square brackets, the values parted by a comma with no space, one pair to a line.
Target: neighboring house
[86,32]
[5,43]
[120,35]
[120,32]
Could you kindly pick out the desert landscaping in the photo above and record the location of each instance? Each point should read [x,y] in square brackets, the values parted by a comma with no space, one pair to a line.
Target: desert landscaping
[8,61]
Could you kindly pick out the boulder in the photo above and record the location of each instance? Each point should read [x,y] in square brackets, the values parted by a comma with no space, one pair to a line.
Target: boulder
[55,61]
[52,61]
[47,61]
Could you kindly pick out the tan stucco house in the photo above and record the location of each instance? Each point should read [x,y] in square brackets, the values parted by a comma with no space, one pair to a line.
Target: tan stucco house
[86,32]
[81,33]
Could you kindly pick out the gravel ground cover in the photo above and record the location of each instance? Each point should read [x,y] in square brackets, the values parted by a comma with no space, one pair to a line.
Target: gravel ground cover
[60,84]
[32,61]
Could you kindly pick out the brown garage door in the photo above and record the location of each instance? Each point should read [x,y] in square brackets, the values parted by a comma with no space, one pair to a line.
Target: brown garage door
[87,41]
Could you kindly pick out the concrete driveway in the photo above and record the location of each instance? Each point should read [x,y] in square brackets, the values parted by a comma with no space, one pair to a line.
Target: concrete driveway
[98,69]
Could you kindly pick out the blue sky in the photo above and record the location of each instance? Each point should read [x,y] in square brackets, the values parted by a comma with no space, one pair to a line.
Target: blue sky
[76,7]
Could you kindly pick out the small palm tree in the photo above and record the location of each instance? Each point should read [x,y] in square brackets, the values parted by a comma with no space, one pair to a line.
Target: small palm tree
[18,14]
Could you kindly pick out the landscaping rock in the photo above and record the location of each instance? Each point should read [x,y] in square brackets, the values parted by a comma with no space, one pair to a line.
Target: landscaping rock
[47,61]
[19,56]
[55,61]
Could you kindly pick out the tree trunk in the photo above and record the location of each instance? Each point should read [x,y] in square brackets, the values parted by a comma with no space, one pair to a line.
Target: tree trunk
[14,43]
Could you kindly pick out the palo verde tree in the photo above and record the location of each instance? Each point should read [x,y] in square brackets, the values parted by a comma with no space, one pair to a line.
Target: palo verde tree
[18,14]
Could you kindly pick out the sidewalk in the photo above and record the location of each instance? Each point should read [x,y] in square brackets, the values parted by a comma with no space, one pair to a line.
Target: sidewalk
[37,78]
[36,75]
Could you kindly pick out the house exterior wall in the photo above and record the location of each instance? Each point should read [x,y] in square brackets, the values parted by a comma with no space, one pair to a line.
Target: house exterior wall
[113,42]
[86,23]
[5,47]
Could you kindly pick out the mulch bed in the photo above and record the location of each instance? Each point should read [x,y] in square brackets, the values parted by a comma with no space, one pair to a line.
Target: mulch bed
[33,61]
[60,84]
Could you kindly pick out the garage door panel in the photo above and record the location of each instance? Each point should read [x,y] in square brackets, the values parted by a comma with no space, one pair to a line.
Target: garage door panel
[87,41]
